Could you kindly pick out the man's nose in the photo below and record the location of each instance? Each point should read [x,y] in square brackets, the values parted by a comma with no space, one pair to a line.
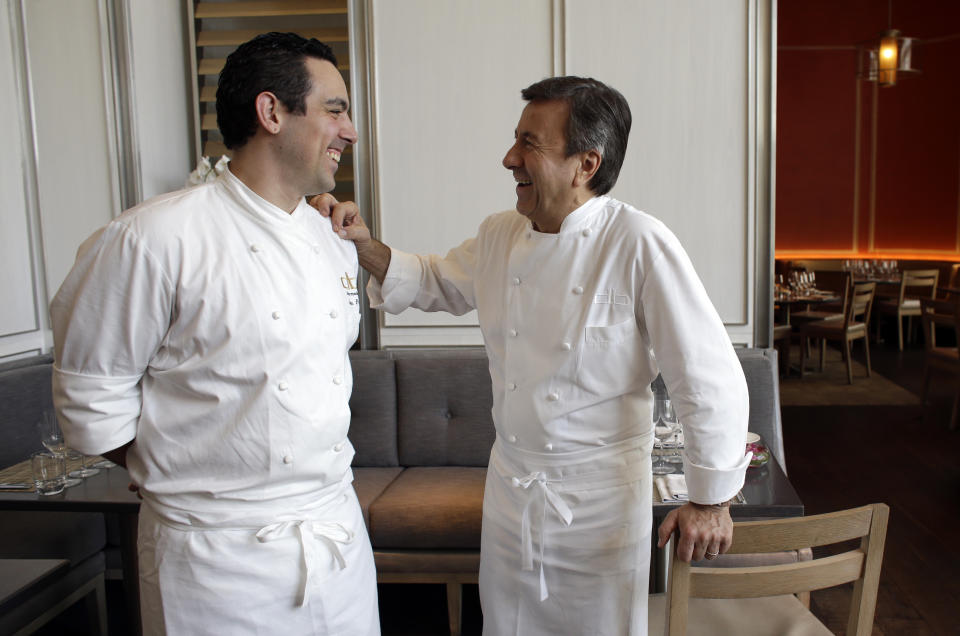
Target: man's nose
[349,133]
[510,159]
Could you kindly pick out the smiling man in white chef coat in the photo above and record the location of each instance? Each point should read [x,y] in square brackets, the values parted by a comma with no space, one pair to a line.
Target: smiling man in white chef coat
[582,300]
[201,340]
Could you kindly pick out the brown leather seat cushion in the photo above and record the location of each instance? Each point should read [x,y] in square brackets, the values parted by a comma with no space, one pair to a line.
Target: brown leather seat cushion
[369,483]
[430,507]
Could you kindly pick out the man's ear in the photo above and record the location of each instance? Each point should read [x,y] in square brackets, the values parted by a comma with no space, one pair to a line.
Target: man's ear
[269,112]
[589,164]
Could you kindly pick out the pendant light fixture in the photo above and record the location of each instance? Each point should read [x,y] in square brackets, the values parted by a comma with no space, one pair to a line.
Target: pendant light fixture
[883,59]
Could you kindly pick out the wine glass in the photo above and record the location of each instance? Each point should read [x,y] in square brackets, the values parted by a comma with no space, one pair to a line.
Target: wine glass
[661,432]
[85,470]
[52,439]
[668,419]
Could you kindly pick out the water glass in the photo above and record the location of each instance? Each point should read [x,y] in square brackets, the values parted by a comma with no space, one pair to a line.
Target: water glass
[48,472]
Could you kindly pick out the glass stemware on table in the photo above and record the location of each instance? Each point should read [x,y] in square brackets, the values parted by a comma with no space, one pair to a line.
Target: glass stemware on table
[51,436]
[52,439]
[666,430]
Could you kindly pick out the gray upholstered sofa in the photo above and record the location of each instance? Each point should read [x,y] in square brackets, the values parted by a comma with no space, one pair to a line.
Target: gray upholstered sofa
[422,431]
[78,537]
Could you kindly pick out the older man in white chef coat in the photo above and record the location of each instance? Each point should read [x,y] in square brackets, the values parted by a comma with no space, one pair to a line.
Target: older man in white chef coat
[203,335]
[582,300]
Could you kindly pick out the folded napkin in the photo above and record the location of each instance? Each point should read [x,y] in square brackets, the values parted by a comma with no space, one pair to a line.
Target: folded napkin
[672,488]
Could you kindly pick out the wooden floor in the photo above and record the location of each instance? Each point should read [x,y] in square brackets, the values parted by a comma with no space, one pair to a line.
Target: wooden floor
[837,457]
[904,456]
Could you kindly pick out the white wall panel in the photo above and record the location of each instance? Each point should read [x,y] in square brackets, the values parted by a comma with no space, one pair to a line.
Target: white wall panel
[17,281]
[162,106]
[68,58]
[447,80]
[683,67]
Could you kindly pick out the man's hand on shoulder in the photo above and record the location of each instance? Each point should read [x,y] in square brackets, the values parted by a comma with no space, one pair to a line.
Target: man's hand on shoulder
[344,217]
[705,531]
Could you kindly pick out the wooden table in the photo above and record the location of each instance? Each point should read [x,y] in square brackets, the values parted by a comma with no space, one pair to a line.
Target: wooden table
[818,297]
[104,492]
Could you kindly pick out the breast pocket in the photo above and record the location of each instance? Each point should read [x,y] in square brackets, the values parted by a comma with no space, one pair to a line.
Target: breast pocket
[610,358]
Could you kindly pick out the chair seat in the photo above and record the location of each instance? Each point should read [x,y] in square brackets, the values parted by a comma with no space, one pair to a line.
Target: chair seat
[945,354]
[833,328]
[810,316]
[780,615]
[891,306]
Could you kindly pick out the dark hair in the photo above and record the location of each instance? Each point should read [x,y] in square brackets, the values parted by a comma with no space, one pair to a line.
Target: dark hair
[272,62]
[599,119]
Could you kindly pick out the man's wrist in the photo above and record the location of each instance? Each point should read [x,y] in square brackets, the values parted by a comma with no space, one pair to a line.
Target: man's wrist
[717,507]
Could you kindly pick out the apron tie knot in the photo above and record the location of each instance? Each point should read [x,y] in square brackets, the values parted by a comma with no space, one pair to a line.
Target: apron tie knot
[310,533]
[549,495]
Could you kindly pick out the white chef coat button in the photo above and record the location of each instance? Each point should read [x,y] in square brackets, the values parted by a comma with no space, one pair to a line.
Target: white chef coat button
[337,380]
[276,315]
[553,397]
[513,333]
[566,346]
[333,313]
[338,447]
[254,248]
[578,290]
[511,386]
[513,439]
[288,459]
[283,386]
[516,281]
[586,232]
[548,446]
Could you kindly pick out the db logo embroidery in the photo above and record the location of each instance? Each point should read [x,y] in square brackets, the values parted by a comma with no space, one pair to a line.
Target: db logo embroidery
[611,297]
[348,283]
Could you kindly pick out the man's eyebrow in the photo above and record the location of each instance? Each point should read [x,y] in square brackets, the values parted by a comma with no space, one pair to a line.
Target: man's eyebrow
[338,101]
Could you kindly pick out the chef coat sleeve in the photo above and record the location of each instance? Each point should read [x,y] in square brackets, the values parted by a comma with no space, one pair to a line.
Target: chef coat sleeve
[109,317]
[702,372]
[428,283]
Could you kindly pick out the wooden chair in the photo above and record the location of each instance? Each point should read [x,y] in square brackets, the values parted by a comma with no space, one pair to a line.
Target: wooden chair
[943,313]
[760,600]
[838,282]
[852,327]
[921,283]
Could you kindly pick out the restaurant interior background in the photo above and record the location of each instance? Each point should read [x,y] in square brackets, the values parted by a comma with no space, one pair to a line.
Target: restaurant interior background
[859,172]
[864,171]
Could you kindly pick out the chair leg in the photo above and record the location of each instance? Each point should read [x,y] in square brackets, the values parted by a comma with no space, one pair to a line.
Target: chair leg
[900,331]
[96,607]
[803,355]
[823,350]
[454,603]
[866,351]
[846,346]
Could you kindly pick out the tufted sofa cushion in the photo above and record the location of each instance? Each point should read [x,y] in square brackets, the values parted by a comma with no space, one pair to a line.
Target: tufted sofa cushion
[444,414]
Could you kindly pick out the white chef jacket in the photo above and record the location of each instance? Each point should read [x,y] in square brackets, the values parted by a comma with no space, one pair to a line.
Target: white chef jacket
[576,326]
[212,328]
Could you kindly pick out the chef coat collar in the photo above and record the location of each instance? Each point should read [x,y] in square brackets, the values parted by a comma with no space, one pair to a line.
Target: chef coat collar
[257,205]
[579,218]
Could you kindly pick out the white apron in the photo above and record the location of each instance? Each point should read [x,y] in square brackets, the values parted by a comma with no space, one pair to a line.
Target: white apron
[565,544]
[296,573]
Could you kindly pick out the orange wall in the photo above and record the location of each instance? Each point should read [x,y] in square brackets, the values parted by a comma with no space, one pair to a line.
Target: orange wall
[864,171]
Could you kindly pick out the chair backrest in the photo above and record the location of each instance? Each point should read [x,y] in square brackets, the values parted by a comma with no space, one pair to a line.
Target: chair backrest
[859,303]
[860,565]
[837,282]
[954,280]
[943,313]
[918,281]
